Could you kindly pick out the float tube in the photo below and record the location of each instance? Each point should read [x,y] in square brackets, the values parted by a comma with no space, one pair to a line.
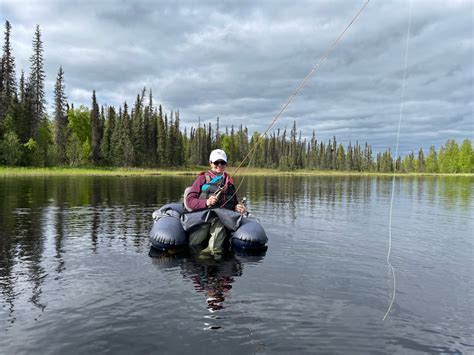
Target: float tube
[172,224]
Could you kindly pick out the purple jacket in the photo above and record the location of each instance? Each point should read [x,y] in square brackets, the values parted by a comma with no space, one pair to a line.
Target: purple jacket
[194,202]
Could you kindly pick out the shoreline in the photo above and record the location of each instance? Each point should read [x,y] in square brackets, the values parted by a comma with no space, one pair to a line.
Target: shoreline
[191,171]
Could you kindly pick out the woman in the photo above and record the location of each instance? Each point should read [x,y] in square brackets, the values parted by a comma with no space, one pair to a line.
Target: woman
[213,189]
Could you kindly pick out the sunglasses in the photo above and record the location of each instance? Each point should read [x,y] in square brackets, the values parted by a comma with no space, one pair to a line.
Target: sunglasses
[219,162]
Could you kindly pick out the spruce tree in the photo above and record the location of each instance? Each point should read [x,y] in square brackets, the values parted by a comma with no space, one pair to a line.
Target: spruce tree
[116,145]
[340,158]
[7,77]
[334,153]
[105,144]
[218,134]
[36,83]
[161,139]
[21,121]
[153,137]
[147,123]
[349,158]
[126,138]
[421,165]
[95,130]
[138,133]
[179,151]
[60,116]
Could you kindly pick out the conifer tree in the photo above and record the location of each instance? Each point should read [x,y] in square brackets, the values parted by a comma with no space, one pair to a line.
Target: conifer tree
[116,145]
[334,153]
[328,161]
[153,137]
[340,158]
[19,115]
[349,158]
[398,165]
[60,117]
[138,132]
[367,164]
[171,153]
[147,123]
[179,151]
[106,143]
[421,161]
[96,130]
[8,85]
[126,139]
[22,87]
[218,134]
[408,163]
[36,83]
[292,154]
[161,139]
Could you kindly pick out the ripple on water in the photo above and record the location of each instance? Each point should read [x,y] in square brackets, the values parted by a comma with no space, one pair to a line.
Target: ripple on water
[75,275]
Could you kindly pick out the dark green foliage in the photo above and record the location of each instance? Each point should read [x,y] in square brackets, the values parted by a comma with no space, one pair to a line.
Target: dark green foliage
[138,137]
[431,161]
[96,130]
[106,143]
[60,118]
[421,165]
[7,76]
[408,163]
[35,91]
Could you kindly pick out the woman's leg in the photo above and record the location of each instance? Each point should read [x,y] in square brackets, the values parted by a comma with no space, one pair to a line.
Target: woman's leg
[218,236]
[199,235]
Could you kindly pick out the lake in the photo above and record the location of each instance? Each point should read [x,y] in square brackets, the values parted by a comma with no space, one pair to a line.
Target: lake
[77,275]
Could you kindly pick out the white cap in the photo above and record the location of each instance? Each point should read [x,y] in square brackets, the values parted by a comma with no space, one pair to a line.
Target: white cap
[217,154]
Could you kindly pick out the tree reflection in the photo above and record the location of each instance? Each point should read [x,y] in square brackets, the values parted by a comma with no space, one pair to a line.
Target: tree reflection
[45,220]
[42,218]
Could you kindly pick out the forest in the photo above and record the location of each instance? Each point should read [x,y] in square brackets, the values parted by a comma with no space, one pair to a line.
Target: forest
[143,135]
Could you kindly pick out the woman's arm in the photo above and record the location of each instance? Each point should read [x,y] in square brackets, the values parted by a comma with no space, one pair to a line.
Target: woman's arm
[192,200]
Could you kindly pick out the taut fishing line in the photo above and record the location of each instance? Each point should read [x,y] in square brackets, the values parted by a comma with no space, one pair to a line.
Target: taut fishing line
[391,268]
[301,85]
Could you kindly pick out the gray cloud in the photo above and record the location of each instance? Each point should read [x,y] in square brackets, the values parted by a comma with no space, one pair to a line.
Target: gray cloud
[240,60]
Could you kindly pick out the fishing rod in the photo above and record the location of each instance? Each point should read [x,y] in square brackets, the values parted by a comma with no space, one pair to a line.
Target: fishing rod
[290,99]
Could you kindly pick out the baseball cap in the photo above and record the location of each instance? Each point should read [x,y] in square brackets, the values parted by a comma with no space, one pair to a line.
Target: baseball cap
[217,154]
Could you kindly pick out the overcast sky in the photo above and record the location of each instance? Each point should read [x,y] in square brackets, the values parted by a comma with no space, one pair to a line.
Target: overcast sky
[240,60]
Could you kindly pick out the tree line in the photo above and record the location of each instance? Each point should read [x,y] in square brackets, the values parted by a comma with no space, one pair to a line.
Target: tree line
[143,135]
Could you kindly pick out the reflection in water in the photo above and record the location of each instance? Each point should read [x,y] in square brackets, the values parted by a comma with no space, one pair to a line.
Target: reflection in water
[51,226]
[36,213]
[41,216]
[211,275]
[292,194]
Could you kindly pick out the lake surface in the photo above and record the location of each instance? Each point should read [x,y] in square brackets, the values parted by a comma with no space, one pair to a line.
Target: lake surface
[76,275]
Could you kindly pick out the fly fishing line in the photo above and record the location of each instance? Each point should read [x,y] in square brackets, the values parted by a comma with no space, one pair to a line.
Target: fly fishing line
[301,85]
[391,268]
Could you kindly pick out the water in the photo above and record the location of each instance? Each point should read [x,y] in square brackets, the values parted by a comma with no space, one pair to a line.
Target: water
[76,275]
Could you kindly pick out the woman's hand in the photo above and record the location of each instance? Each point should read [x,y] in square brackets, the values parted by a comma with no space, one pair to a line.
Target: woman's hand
[240,208]
[211,201]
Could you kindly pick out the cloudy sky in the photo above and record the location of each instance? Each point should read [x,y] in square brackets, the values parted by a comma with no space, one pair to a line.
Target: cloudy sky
[240,60]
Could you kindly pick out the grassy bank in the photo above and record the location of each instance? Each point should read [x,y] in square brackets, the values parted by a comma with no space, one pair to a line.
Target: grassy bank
[60,171]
